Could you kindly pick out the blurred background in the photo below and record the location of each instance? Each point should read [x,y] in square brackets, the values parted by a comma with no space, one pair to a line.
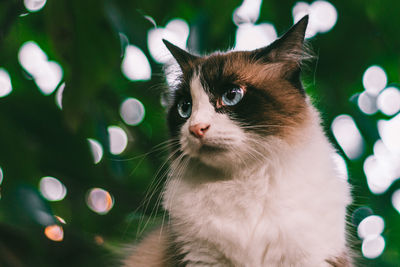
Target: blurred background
[82,115]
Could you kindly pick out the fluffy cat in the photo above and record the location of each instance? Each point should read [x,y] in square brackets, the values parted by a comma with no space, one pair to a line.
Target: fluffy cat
[253,180]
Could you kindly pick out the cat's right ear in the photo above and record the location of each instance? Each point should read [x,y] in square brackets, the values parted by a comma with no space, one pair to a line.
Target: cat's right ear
[184,59]
[288,48]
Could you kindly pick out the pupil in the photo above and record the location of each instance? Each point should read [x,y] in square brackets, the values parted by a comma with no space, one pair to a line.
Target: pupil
[185,106]
[231,95]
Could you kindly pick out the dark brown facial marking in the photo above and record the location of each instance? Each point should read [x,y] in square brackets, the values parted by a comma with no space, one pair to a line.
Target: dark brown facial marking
[271,104]
[274,101]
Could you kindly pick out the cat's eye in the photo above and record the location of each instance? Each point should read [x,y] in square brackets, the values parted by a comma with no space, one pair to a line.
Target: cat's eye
[232,96]
[184,108]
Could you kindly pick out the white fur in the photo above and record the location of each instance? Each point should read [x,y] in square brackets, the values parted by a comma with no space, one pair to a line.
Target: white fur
[283,205]
[223,132]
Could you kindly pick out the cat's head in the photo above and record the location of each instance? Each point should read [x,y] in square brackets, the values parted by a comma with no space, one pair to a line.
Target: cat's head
[226,106]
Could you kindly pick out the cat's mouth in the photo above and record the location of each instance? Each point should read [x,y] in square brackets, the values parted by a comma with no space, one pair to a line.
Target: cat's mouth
[211,149]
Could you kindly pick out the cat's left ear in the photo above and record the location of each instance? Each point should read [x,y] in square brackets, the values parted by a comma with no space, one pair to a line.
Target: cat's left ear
[184,59]
[288,48]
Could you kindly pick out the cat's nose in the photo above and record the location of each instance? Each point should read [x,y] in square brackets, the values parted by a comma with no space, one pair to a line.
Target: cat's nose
[199,130]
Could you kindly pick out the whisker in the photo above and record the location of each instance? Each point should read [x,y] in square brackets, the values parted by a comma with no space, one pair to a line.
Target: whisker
[162,149]
[159,147]
[181,168]
[152,190]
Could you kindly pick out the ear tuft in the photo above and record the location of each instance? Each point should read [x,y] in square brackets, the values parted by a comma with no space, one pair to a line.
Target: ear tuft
[183,58]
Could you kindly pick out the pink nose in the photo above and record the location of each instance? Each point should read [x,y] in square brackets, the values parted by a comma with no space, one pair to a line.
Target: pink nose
[199,130]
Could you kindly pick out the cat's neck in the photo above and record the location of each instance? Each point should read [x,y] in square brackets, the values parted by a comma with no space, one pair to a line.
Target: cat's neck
[243,212]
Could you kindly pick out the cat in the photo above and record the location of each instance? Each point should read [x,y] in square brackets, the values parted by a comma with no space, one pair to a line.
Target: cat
[253,181]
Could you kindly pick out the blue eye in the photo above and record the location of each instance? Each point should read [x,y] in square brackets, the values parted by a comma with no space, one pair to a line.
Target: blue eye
[184,108]
[232,96]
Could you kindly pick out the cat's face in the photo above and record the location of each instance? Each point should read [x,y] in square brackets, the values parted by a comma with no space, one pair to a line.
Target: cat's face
[228,105]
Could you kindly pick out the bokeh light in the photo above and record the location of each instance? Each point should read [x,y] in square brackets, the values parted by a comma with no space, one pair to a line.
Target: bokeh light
[389,161]
[34,5]
[54,232]
[348,136]
[59,95]
[61,220]
[5,83]
[374,80]
[99,240]
[49,77]
[1,175]
[396,200]
[360,214]
[367,103]
[100,201]
[250,36]
[299,10]
[96,149]
[31,57]
[382,168]
[247,12]
[371,226]
[52,189]
[118,139]
[135,65]
[370,230]
[389,131]
[132,111]
[373,246]
[389,101]
[322,16]
[176,31]
[47,74]
[377,179]
[179,26]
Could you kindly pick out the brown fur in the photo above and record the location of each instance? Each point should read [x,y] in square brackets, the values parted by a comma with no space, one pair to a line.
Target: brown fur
[340,261]
[151,252]
[286,105]
[274,103]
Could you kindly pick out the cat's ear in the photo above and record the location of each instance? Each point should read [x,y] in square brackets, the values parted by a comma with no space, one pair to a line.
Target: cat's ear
[183,58]
[288,48]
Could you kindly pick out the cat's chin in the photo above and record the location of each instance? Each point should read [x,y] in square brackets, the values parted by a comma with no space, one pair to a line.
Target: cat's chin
[214,152]
[217,157]
[207,150]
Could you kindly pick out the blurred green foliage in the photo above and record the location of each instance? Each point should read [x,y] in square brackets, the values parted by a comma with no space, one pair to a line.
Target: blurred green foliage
[38,139]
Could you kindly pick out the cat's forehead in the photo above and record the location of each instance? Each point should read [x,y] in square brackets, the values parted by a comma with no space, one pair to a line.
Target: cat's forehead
[220,70]
[224,65]
[216,70]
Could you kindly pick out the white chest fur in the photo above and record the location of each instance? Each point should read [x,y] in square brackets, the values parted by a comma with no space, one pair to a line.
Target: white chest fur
[289,211]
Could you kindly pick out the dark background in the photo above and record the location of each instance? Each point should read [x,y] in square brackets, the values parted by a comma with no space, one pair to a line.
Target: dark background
[38,139]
